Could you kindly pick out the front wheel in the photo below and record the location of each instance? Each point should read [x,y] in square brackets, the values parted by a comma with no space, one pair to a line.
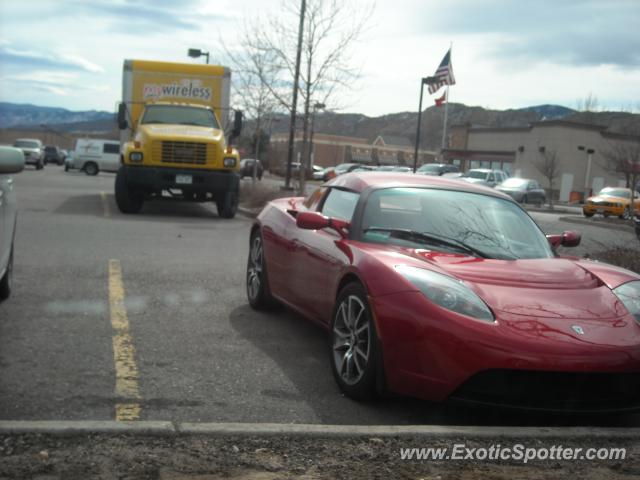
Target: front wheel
[228,205]
[354,344]
[91,169]
[588,214]
[40,165]
[127,199]
[626,215]
[7,279]
[258,292]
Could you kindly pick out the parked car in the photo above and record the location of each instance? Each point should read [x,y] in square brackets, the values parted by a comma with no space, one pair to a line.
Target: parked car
[328,173]
[364,168]
[95,155]
[436,289]
[485,176]
[247,165]
[317,172]
[52,154]
[32,150]
[523,190]
[11,162]
[347,167]
[612,201]
[394,168]
[437,169]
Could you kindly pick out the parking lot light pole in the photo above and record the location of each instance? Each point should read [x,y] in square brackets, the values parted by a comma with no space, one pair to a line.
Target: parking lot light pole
[196,52]
[590,152]
[312,150]
[423,81]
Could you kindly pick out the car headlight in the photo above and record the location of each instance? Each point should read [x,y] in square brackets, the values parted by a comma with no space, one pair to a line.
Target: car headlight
[629,295]
[229,162]
[135,156]
[447,292]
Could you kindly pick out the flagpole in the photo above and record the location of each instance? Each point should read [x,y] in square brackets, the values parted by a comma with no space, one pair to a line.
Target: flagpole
[415,158]
[446,114]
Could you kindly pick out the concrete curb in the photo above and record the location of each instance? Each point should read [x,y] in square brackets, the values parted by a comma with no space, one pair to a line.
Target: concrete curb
[306,430]
[585,221]
[61,427]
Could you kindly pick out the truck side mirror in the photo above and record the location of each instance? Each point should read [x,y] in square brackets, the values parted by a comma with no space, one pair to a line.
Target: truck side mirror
[237,124]
[122,116]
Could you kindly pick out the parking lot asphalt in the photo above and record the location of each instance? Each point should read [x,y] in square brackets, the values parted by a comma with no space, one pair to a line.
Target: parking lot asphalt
[192,349]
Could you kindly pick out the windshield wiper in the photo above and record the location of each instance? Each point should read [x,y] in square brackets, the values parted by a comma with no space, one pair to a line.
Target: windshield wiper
[428,237]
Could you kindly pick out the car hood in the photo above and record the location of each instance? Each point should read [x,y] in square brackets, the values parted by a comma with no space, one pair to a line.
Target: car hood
[607,198]
[562,288]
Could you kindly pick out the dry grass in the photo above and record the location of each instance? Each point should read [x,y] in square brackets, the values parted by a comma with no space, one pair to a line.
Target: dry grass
[624,257]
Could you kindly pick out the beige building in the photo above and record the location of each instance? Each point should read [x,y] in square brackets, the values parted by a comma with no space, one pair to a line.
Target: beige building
[331,150]
[580,148]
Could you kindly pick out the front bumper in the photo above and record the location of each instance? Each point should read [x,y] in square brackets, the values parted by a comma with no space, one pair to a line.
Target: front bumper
[523,363]
[155,179]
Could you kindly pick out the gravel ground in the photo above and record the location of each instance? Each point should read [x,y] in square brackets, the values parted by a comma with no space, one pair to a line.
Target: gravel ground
[44,457]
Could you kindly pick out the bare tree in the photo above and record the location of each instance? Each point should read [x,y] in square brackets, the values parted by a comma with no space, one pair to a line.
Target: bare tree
[587,107]
[331,30]
[253,70]
[624,157]
[549,166]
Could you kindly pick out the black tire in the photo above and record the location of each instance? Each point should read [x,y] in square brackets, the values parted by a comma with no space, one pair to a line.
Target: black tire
[525,199]
[7,279]
[91,169]
[228,205]
[257,280]
[127,199]
[66,167]
[348,343]
[39,165]
[626,215]
[587,214]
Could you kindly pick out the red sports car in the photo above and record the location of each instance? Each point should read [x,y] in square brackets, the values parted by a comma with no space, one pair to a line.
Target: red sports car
[439,289]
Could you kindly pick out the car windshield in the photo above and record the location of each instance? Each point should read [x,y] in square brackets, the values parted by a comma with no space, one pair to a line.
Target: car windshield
[476,174]
[482,223]
[173,114]
[514,182]
[616,192]
[26,144]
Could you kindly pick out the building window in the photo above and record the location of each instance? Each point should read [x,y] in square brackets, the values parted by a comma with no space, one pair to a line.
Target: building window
[496,165]
[507,168]
[456,161]
[485,164]
[474,164]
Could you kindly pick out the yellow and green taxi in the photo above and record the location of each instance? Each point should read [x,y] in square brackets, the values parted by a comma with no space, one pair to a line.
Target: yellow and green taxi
[612,201]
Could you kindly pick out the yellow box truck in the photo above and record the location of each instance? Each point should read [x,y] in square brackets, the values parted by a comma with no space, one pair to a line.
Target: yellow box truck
[172,120]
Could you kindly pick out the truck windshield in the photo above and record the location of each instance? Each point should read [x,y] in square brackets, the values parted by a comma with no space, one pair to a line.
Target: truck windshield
[180,115]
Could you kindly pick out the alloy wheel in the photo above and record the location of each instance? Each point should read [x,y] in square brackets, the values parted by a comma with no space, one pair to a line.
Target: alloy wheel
[254,273]
[351,340]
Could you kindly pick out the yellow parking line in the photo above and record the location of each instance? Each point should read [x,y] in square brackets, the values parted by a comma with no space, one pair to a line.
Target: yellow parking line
[105,204]
[127,390]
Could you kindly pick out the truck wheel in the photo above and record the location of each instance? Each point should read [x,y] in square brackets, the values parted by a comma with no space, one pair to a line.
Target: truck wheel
[228,206]
[39,165]
[127,199]
[91,169]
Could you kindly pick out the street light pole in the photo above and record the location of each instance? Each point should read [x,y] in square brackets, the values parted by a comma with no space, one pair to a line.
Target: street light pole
[294,101]
[196,52]
[590,152]
[312,149]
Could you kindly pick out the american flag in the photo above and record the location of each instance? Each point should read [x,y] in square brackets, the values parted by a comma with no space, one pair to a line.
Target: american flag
[443,75]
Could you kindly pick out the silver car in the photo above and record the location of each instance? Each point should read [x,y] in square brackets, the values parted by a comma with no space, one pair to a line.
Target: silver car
[485,176]
[11,161]
[33,151]
[523,190]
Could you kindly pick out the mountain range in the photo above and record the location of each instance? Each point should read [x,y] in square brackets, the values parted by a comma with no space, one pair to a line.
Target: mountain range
[401,124]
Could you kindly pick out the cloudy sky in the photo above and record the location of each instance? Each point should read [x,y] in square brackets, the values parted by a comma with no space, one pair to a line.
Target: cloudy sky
[506,54]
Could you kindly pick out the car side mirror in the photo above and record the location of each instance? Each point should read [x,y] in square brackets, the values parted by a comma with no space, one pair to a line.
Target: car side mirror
[237,124]
[571,239]
[11,160]
[317,221]
[567,239]
[122,116]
